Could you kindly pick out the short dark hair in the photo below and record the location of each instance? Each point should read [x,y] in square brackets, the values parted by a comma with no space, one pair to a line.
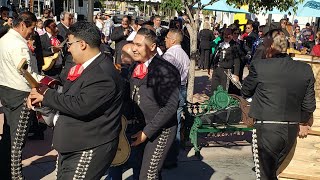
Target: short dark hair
[3,8]
[27,17]
[87,32]
[156,16]
[148,34]
[47,23]
[178,33]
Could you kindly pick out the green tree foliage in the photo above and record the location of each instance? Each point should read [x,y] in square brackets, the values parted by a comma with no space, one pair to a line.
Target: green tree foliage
[172,4]
[255,6]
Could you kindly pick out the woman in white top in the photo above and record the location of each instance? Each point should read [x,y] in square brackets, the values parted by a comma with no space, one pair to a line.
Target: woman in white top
[99,22]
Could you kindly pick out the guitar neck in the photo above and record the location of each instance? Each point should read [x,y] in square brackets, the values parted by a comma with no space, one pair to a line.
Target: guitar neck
[33,83]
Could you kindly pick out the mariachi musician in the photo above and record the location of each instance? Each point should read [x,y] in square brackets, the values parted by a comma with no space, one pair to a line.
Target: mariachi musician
[226,60]
[89,105]
[51,42]
[135,121]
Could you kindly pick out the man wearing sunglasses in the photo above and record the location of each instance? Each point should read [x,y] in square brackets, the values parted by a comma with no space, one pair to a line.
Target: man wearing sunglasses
[86,133]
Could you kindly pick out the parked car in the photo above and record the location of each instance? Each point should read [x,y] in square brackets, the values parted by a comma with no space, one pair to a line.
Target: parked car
[96,11]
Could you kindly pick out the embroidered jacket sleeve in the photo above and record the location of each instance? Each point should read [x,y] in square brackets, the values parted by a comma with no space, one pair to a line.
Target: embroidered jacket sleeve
[166,90]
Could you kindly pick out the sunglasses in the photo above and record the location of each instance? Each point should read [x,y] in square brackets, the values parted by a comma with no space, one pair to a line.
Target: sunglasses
[236,33]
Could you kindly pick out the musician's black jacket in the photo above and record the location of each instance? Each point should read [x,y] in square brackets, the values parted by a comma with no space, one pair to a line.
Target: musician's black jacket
[231,60]
[120,39]
[46,44]
[90,108]
[281,89]
[158,96]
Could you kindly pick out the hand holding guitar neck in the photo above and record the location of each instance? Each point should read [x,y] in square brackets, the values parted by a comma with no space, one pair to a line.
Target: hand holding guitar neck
[56,49]
[40,89]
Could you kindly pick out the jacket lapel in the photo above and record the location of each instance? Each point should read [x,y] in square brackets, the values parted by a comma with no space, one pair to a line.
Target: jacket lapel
[94,63]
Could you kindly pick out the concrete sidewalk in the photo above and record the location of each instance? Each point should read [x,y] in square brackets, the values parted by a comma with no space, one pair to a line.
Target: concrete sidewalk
[223,161]
[230,158]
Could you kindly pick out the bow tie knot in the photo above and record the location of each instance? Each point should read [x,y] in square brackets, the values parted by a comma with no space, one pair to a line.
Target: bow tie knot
[75,72]
[140,71]
[54,41]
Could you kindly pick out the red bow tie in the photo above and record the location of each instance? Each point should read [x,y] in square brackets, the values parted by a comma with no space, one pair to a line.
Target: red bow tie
[140,71]
[54,41]
[75,72]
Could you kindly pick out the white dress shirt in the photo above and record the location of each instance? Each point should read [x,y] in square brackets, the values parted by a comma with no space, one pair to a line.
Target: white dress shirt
[13,48]
[179,58]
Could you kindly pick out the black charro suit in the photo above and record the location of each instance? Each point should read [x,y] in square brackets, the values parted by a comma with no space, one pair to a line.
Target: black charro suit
[205,39]
[89,118]
[226,59]
[46,44]
[157,96]
[282,91]
[120,39]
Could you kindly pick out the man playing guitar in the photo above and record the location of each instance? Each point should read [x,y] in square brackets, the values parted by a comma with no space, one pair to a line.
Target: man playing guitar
[51,45]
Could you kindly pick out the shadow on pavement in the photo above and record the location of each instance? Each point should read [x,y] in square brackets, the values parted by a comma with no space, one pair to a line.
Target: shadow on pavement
[39,159]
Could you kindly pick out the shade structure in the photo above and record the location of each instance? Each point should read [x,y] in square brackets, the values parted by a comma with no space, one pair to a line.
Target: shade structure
[220,5]
[309,8]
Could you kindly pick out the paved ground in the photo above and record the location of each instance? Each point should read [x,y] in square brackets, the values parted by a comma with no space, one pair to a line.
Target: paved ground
[227,158]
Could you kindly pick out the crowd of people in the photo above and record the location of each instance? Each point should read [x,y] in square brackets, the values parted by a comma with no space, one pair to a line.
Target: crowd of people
[143,80]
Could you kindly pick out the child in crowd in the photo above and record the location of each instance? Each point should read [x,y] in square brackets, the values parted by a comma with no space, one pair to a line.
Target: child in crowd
[39,27]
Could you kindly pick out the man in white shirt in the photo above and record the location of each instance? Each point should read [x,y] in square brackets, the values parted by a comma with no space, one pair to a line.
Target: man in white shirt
[179,58]
[14,90]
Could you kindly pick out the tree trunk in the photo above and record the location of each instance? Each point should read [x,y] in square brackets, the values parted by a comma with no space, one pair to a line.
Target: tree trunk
[193,32]
[193,58]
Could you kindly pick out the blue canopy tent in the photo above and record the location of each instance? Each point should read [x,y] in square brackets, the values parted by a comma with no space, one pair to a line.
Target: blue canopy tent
[220,5]
[309,8]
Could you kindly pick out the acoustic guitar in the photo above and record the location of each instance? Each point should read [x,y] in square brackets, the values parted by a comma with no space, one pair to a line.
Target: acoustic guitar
[51,60]
[123,152]
[45,113]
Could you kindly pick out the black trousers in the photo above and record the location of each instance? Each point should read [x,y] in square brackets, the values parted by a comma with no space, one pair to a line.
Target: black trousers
[204,58]
[89,164]
[15,129]
[218,78]
[155,153]
[274,143]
